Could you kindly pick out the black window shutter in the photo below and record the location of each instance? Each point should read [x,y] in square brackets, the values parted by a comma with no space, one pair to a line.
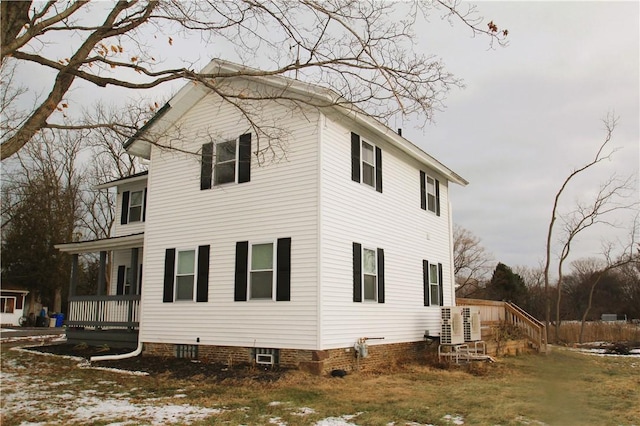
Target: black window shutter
[357,272]
[144,206]
[378,169]
[206,166]
[202,286]
[242,257]
[124,214]
[437,198]
[244,158]
[423,190]
[355,157]
[121,275]
[169,274]
[440,284]
[425,282]
[380,275]
[283,272]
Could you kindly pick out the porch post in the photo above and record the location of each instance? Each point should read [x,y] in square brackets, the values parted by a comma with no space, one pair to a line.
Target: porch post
[133,279]
[73,284]
[102,273]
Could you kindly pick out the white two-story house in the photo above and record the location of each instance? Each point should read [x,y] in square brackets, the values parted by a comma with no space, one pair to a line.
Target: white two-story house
[292,245]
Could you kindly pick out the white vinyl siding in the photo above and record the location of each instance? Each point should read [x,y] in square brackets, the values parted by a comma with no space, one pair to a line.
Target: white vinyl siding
[393,220]
[281,199]
[132,227]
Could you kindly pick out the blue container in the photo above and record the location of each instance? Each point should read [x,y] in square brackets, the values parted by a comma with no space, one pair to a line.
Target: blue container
[59,319]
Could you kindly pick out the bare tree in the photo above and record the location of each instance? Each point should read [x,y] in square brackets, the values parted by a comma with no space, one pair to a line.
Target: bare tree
[471,262]
[584,216]
[611,263]
[356,49]
[41,207]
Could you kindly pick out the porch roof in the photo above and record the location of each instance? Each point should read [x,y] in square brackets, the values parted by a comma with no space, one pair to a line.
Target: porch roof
[104,244]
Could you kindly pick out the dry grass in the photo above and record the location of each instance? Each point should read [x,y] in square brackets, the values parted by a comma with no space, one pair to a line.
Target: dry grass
[562,388]
[598,331]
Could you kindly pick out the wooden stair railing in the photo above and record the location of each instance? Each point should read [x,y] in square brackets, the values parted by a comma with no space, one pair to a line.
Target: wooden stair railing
[492,311]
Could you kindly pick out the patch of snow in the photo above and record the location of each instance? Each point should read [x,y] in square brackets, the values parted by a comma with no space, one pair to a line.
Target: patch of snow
[304,411]
[456,420]
[525,421]
[274,403]
[334,421]
[277,421]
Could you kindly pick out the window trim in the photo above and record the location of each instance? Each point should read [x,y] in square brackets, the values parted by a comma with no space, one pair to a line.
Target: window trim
[363,162]
[433,284]
[236,162]
[194,274]
[132,206]
[375,274]
[274,268]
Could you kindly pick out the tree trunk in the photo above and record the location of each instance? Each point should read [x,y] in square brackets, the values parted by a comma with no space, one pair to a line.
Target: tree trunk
[57,300]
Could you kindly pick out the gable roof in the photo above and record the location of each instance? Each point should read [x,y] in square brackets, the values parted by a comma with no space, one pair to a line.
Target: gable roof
[192,93]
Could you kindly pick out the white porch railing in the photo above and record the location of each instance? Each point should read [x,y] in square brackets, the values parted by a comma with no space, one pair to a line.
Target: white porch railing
[121,311]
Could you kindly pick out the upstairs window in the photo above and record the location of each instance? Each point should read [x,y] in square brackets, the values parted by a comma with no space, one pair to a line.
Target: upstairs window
[226,162]
[429,193]
[366,162]
[133,206]
[224,170]
[368,165]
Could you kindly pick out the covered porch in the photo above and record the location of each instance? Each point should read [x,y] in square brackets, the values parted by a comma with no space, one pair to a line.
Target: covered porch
[111,316]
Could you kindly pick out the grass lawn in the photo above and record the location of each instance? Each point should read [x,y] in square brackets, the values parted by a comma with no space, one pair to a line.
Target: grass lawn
[562,388]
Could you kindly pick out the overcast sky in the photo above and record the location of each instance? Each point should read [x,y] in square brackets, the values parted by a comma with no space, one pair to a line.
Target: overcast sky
[530,113]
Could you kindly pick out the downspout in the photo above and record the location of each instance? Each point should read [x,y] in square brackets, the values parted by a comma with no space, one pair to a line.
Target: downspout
[135,353]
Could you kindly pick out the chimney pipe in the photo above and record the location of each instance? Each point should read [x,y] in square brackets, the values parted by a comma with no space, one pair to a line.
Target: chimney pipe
[400,132]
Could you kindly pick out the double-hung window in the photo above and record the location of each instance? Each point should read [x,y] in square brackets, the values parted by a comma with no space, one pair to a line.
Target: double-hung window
[224,169]
[368,274]
[185,274]
[366,162]
[433,286]
[263,270]
[429,193]
[261,273]
[226,162]
[135,206]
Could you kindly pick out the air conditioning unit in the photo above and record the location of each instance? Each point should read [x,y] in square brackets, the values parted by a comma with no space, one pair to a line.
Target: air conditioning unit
[265,359]
[471,323]
[452,329]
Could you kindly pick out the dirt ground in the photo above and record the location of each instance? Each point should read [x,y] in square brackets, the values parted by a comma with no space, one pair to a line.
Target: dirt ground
[176,368]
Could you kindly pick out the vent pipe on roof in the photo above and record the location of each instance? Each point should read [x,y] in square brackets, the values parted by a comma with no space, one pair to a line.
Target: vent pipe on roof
[399,132]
